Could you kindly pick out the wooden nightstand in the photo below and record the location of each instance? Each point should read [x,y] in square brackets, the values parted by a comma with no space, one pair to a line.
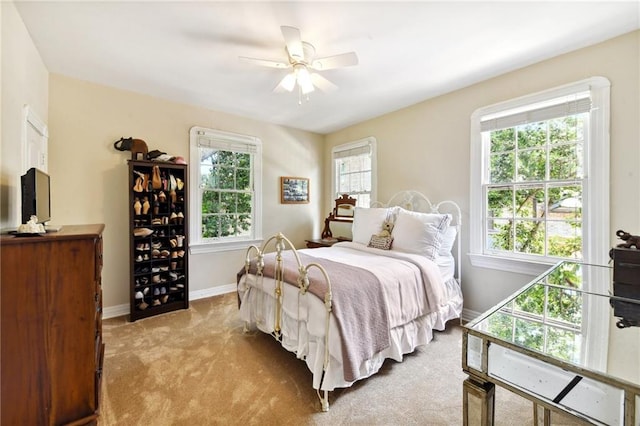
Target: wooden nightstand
[325,242]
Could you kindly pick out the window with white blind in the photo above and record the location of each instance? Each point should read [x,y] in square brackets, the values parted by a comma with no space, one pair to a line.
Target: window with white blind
[226,199]
[540,179]
[354,170]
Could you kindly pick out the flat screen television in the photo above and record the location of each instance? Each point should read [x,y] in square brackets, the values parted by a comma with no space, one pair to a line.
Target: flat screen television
[36,195]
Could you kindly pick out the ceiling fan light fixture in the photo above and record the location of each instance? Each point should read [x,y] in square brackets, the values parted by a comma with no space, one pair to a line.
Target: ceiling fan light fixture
[288,82]
[304,79]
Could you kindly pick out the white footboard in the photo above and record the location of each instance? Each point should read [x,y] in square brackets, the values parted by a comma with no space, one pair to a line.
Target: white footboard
[255,260]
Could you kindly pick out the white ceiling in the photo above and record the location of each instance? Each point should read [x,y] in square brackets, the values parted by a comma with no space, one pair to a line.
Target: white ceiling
[411,51]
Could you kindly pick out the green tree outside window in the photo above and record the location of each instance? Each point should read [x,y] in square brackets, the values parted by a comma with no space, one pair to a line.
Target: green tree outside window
[227,193]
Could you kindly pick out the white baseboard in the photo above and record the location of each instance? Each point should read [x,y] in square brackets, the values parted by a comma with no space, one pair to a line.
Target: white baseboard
[121,310]
[468,315]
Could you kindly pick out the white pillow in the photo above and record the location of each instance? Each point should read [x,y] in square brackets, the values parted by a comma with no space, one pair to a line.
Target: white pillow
[419,233]
[367,222]
[448,239]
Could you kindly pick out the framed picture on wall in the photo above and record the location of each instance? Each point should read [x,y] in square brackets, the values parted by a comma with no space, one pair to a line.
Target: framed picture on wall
[294,190]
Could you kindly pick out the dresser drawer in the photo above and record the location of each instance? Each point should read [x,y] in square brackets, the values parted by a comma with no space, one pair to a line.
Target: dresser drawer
[598,401]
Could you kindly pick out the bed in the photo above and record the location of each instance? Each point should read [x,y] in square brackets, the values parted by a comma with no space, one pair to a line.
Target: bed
[347,308]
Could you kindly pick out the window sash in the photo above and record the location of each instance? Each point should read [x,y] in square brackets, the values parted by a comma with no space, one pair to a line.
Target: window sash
[540,226]
[360,183]
[595,221]
[207,140]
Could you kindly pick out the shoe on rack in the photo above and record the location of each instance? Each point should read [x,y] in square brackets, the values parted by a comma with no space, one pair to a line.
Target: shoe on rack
[165,298]
[164,253]
[142,232]
[156,182]
[162,197]
[145,182]
[180,218]
[139,295]
[137,207]
[179,184]
[173,184]
[156,221]
[145,205]
[156,279]
[138,186]
[180,240]
[143,305]
[156,302]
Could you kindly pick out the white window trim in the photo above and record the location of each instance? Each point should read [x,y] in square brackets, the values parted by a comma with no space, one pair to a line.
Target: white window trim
[196,245]
[595,219]
[371,141]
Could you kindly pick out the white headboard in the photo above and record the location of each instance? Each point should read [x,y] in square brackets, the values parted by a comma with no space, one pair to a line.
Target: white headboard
[418,202]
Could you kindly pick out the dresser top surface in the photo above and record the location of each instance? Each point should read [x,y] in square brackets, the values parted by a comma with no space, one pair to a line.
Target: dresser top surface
[65,232]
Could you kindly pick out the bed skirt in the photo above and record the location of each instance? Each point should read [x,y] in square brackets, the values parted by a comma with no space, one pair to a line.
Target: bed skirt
[303,328]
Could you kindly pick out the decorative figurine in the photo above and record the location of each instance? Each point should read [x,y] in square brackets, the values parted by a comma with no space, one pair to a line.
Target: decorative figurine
[630,240]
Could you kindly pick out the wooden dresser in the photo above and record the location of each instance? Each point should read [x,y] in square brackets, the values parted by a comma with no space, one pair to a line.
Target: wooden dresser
[51,342]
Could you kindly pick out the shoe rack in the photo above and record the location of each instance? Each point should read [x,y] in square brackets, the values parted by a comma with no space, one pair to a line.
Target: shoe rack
[158,238]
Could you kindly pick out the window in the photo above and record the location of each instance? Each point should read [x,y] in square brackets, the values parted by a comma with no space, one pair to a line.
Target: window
[540,178]
[226,190]
[354,170]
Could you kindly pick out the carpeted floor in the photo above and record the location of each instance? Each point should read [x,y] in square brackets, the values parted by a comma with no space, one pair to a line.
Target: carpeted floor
[197,367]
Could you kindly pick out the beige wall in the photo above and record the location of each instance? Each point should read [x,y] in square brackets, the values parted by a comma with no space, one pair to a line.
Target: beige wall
[25,81]
[90,178]
[426,146]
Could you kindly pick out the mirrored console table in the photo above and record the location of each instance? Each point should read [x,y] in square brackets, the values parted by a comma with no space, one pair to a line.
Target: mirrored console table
[559,342]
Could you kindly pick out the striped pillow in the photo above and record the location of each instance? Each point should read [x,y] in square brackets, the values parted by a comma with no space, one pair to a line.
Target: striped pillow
[382,243]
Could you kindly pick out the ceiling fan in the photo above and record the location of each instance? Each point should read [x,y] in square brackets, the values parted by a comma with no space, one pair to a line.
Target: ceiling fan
[303,63]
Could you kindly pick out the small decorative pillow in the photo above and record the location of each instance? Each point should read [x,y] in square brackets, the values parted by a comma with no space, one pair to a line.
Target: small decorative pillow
[382,243]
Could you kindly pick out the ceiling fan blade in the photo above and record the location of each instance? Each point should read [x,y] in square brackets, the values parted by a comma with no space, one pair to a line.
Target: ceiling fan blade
[293,41]
[336,61]
[265,62]
[286,84]
[322,83]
